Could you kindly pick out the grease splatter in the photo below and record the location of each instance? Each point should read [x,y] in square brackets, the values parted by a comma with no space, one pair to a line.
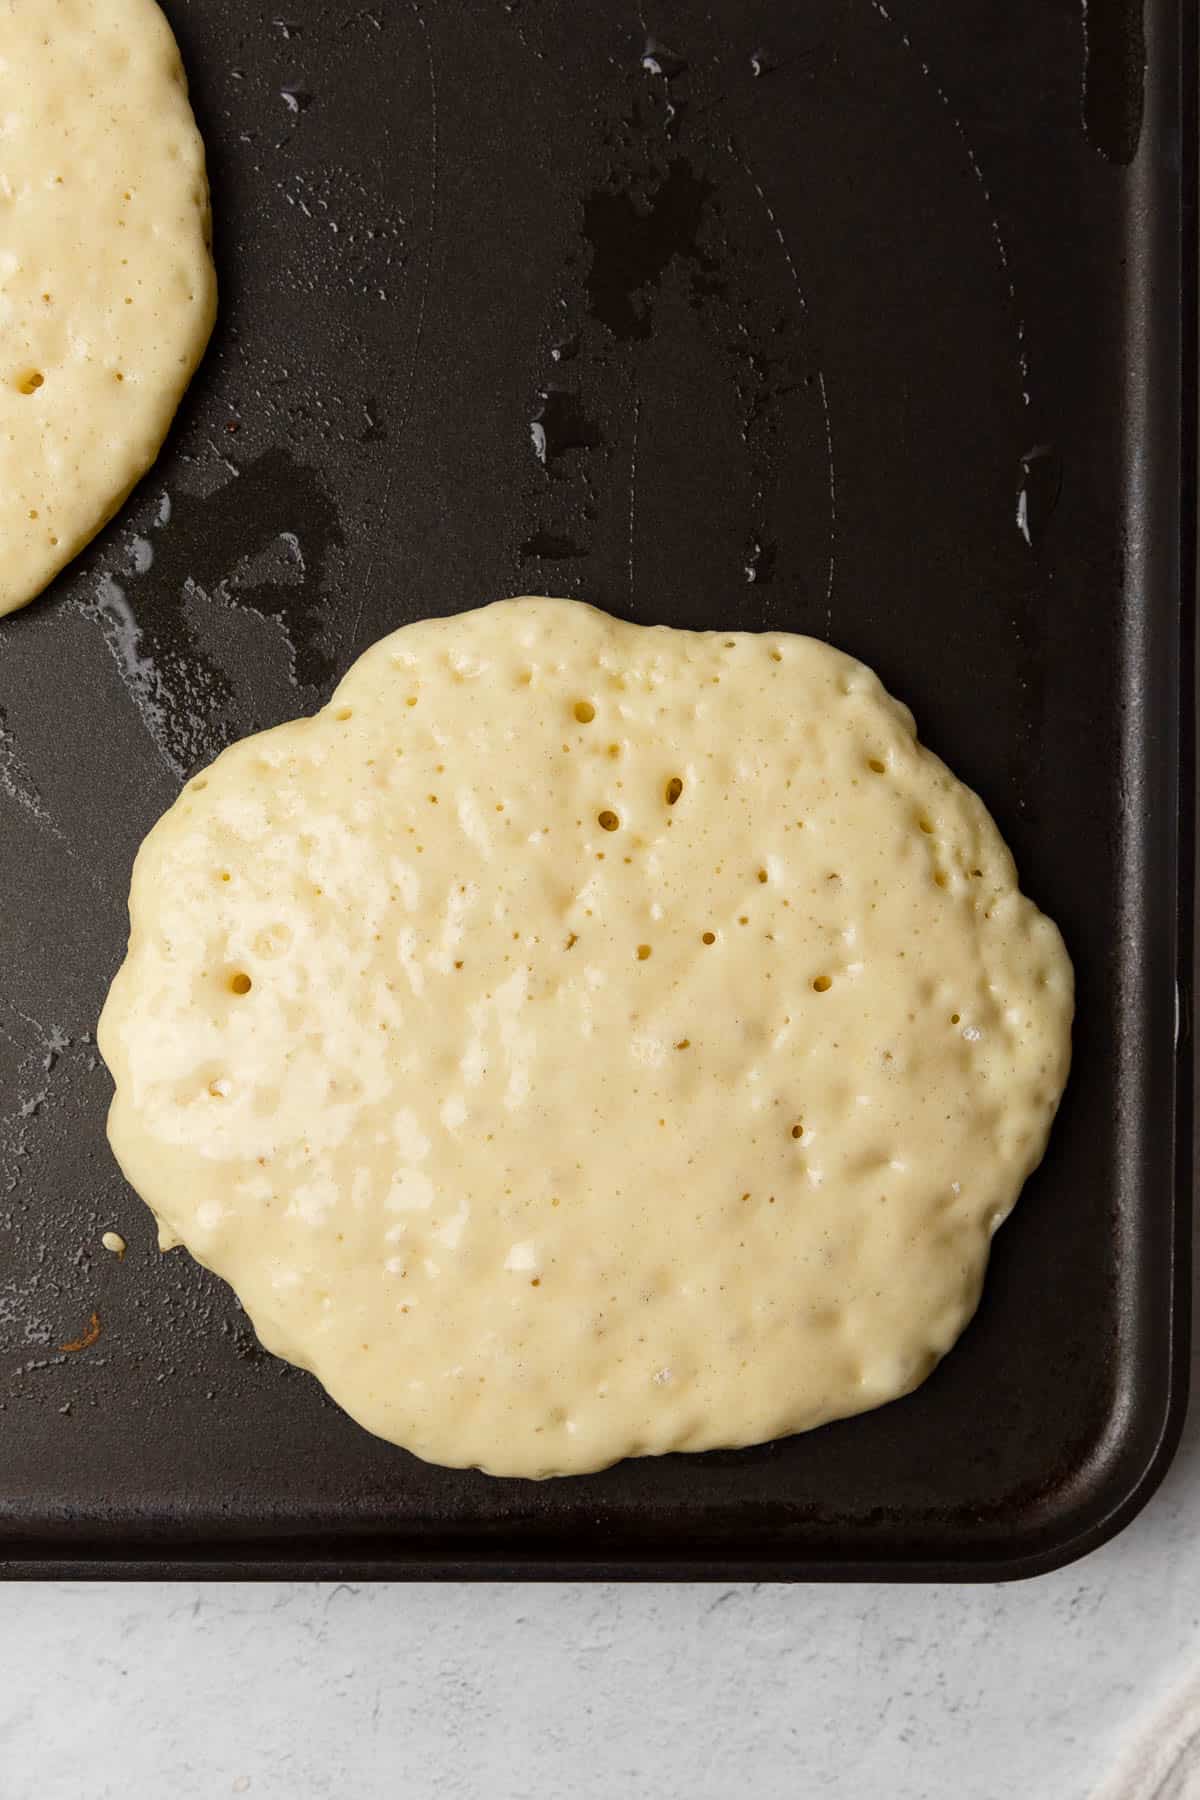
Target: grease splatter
[635,240]
[112,612]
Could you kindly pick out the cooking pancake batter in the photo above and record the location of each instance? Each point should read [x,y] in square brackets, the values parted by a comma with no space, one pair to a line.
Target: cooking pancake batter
[581,1040]
[107,291]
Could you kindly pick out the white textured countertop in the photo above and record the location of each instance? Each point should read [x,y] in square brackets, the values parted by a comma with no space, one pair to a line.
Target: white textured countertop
[292,1692]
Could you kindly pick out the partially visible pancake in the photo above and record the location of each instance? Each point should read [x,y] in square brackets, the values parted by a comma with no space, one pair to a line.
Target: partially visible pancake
[581,1041]
[107,288]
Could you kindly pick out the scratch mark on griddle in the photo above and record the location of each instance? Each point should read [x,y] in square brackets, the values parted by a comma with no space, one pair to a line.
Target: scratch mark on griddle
[221,457]
[633,456]
[739,156]
[881,10]
[433,218]
[18,784]
[743,163]
[833,506]
[418,336]
[1112,82]
[38,1029]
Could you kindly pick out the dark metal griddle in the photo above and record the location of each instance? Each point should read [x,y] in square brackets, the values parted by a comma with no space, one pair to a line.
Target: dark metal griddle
[853,319]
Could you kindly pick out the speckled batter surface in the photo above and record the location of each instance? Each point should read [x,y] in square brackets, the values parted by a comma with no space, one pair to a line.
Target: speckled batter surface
[582,1040]
[107,290]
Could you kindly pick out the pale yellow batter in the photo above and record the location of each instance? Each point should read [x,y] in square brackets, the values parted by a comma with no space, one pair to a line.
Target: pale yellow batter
[582,1041]
[107,291]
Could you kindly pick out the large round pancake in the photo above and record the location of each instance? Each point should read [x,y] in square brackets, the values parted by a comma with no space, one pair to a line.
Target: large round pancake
[582,1040]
